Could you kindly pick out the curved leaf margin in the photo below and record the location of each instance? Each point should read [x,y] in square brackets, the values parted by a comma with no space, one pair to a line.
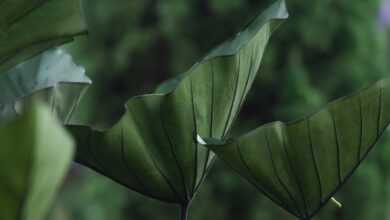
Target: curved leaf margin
[154,140]
[325,147]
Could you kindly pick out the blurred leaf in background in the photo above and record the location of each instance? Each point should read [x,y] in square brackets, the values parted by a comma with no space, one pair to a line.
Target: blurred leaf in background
[326,49]
[29,27]
[52,75]
[36,151]
[35,155]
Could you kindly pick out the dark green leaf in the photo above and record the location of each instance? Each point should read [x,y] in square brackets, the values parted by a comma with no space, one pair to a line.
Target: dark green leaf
[28,27]
[300,165]
[152,149]
[35,152]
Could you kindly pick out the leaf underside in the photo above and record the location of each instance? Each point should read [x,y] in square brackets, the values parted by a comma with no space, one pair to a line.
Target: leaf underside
[28,27]
[152,148]
[300,165]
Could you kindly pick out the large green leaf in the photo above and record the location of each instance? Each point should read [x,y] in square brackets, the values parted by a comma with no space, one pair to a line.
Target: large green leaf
[35,152]
[52,75]
[300,165]
[28,27]
[152,149]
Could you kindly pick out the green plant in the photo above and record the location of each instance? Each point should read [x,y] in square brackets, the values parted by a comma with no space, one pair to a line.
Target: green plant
[152,149]
[156,146]
[36,150]
[35,154]
[29,27]
[302,164]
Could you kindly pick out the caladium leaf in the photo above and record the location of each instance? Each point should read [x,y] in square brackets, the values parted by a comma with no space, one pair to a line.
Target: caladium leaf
[300,165]
[35,153]
[28,27]
[152,149]
[52,75]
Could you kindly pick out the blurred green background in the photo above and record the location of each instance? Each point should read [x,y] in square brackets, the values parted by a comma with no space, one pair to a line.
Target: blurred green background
[327,49]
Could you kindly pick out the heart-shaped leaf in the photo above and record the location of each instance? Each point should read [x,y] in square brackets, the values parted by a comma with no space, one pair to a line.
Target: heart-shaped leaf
[35,153]
[152,148]
[28,27]
[300,165]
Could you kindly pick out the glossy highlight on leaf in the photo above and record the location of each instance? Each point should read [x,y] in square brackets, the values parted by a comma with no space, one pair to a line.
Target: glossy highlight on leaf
[300,165]
[28,27]
[52,75]
[152,149]
[35,153]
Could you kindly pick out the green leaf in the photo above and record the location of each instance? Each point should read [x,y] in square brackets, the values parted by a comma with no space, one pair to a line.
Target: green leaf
[52,75]
[302,164]
[13,10]
[35,153]
[28,27]
[152,148]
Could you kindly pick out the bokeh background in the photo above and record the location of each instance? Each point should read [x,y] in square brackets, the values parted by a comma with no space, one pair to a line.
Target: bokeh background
[327,49]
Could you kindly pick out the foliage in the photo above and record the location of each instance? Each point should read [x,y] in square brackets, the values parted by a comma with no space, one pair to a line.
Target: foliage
[30,27]
[301,165]
[313,58]
[152,149]
[150,108]
[52,75]
[35,149]
[178,95]
[35,154]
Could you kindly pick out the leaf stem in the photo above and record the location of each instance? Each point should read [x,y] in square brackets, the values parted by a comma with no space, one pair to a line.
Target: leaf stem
[184,211]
